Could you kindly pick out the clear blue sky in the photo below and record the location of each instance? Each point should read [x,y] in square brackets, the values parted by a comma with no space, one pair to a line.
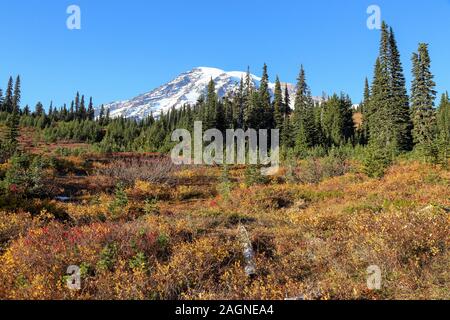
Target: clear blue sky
[129,47]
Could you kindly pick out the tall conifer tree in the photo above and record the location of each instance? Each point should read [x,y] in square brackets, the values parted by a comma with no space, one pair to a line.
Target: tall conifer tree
[422,97]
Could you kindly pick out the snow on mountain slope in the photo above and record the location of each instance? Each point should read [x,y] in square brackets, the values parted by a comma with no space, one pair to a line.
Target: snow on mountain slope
[186,88]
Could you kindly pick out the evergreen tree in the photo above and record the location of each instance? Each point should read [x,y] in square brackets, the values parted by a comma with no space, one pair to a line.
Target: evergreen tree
[422,98]
[12,122]
[39,110]
[82,109]
[303,117]
[278,105]
[365,111]
[265,107]
[238,106]
[337,121]
[399,102]
[26,110]
[287,102]
[101,116]
[1,100]
[77,114]
[388,123]
[16,96]
[8,104]
[443,123]
[91,110]
[210,113]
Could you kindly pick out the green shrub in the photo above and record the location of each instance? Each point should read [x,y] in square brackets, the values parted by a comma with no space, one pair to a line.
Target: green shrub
[24,176]
[376,161]
[120,201]
[253,176]
[225,185]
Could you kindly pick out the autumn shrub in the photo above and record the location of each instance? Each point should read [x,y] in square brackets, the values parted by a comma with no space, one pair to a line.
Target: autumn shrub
[25,176]
[194,192]
[193,266]
[253,176]
[146,190]
[225,184]
[315,170]
[128,171]
[12,225]
[34,266]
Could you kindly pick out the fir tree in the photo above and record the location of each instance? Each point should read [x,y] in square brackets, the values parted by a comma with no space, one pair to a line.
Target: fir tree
[387,115]
[443,123]
[422,98]
[265,107]
[365,111]
[399,102]
[12,122]
[8,105]
[82,109]
[26,110]
[91,110]
[16,96]
[337,122]
[303,117]
[39,110]
[1,100]
[287,103]
[101,116]
[77,114]
[278,105]
[210,113]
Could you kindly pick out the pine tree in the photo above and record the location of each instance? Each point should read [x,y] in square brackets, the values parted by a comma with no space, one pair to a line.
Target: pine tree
[443,123]
[8,102]
[1,100]
[101,116]
[71,115]
[378,108]
[238,106]
[399,102]
[77,114]
[91,110]
[210,113]
[17,96]
[26,110]
[287,102]
[12,122]
[265,107]
[39,110]
[365,111]
[278,105]
[303,117]
[338,126]
[251,97]
[387,112]
[387,121]
[422,98]
[82,109]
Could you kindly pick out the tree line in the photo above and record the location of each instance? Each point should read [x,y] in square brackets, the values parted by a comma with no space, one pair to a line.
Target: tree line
[392,122]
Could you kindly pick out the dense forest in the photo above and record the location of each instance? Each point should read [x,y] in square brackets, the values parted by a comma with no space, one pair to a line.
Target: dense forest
[392,122]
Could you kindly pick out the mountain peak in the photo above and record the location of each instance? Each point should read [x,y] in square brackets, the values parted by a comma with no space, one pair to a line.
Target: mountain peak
[184,89]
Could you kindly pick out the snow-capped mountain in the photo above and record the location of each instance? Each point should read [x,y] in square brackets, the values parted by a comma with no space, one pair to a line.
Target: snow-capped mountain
[185,89]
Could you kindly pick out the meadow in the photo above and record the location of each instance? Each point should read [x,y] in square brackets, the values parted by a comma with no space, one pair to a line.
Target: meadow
[139,228]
